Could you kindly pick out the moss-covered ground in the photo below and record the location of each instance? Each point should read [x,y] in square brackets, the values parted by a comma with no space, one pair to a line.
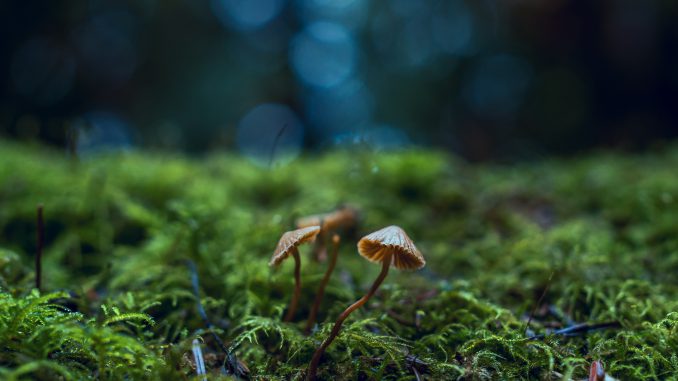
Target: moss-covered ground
[596,236]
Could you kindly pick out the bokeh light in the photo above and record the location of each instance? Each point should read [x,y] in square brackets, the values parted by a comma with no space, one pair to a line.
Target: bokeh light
[270,134]
[349,13]
[100,132]
[246,15]
[466,76]
[415,34]
[452,27]
[407,44]
[340,109]
[323,54]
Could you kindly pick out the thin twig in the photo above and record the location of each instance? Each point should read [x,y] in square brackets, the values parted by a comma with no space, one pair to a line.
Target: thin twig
[416,373]
[579,329]
[40,238]
[275,145]
[195,282]
[233,365]
[541,298]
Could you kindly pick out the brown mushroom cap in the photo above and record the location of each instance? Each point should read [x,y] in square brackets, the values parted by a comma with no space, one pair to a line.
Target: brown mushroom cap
[290,240]
[393,239]
[343,217]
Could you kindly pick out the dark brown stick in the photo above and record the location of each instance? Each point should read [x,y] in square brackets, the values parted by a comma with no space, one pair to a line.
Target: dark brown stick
[313,366]
[40,238]
[321,289]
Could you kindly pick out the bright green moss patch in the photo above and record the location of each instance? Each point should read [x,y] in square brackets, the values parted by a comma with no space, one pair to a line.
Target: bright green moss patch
[118,301]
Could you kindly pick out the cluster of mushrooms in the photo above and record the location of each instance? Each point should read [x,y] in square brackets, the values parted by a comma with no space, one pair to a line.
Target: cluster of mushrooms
[389,246]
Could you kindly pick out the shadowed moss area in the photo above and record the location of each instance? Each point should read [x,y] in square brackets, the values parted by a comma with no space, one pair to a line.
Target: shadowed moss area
[597,236]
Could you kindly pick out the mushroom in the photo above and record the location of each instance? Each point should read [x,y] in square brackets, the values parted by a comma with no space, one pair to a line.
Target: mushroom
[344,217]
[321,289]
[288,246]
[388,246]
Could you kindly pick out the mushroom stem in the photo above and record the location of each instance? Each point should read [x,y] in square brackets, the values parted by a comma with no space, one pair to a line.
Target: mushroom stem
[319,251]
[297,286]
[313,366]
[321,289]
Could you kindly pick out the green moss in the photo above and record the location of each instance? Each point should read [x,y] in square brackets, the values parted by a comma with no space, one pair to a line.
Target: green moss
[120,229]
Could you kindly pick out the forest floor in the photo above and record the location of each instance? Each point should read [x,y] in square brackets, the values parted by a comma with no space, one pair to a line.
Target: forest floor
[137,245]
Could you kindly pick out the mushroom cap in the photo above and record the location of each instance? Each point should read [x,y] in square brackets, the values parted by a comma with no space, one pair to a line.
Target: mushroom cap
[394,240]
[290,240]
[343,217]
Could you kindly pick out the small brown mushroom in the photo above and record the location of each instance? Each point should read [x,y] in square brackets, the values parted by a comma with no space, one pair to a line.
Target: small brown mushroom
[321,289]
[388,246]
[288,246]
[343,218]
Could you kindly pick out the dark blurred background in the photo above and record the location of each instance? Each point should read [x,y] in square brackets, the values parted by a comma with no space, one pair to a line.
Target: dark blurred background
[514,79]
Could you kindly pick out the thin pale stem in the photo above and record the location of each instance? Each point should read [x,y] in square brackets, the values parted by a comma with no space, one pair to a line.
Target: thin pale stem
[321,289]
[297,286]
[313,366]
